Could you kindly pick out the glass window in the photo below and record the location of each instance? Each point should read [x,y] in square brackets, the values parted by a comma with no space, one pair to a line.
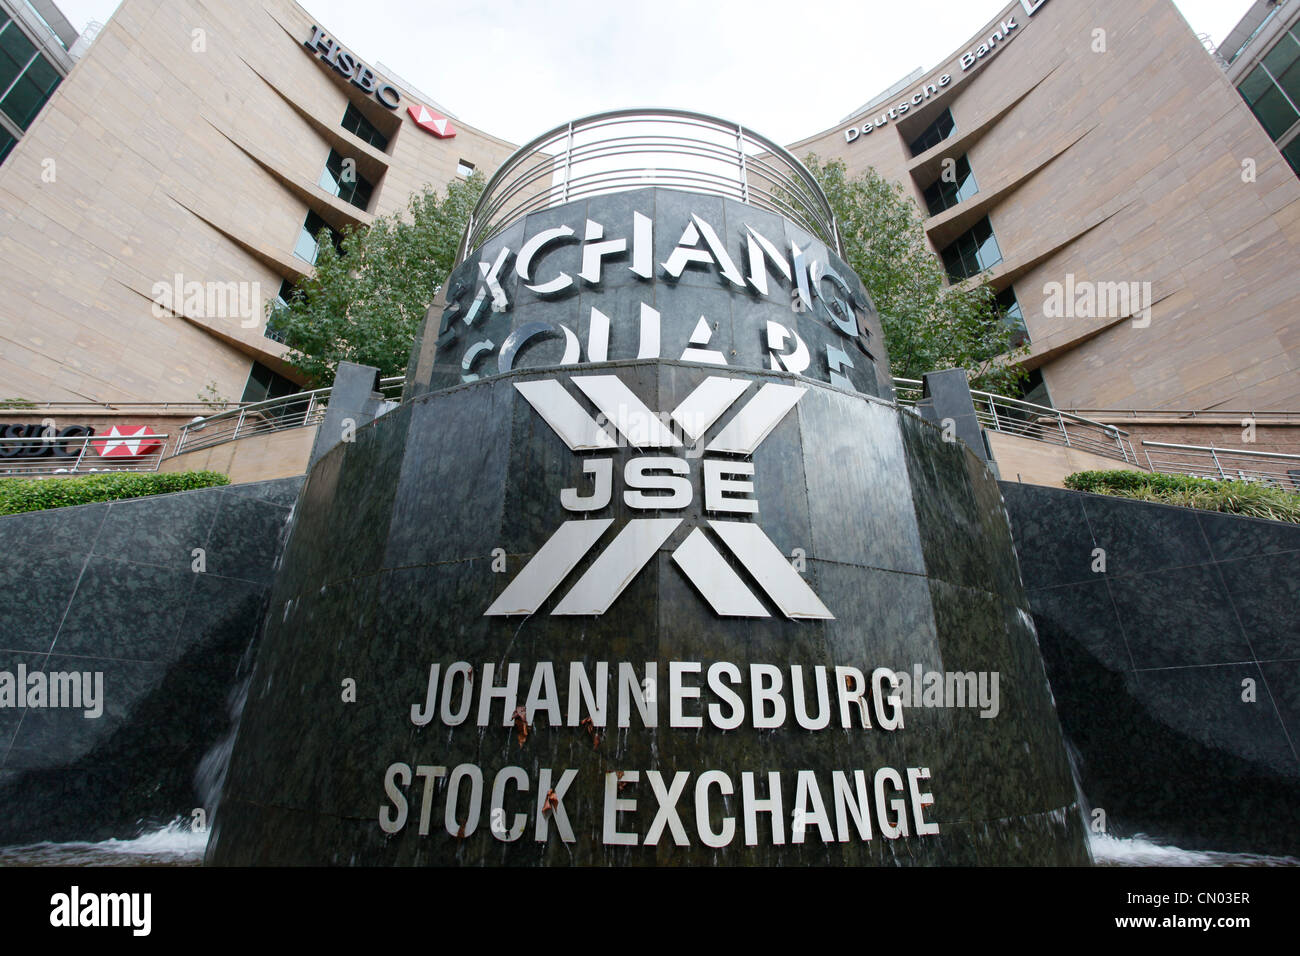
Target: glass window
[274,331]
[1290,83]
[1283,54]
[1008,307]
[1034,389]
[340,178]
[7,141]
[263,383]
[1275,113]
[934,134]
[464,169]
[1292,154]
[26,97]
[363,129]
[973,251]
[16,51]
[287,291]
[306,248]
[955,184]
[1255,85]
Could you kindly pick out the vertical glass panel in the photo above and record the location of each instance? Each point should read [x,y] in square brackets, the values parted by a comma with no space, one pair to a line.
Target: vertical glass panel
[1292,154]
[25,99]
[1275,114]
[934,134]
[15,53]
[1283,54]
[1255,85]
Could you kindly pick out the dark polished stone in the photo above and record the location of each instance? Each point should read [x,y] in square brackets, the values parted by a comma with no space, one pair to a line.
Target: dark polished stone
[245,540]
[831,480]
[736,312]
[41,586]
[125,611]
[1265,594]
[162,530]
[169,642]
[1234,536]
[1140,540]
[1189,748]
[1052,535]
[1177,618]
[59,529]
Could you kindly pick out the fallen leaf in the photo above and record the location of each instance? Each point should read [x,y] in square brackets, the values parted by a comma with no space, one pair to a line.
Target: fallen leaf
[521,725]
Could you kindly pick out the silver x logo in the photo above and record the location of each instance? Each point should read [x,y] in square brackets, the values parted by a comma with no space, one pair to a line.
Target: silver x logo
[636,543]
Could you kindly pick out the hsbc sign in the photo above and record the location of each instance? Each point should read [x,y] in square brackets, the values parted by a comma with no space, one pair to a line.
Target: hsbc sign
[353,68]
[431,122]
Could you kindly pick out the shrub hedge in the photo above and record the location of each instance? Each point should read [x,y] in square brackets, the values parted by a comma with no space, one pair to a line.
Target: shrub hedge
[19,495]
[1253,499]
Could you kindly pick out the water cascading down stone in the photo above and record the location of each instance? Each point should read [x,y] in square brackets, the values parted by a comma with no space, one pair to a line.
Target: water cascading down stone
[648,569]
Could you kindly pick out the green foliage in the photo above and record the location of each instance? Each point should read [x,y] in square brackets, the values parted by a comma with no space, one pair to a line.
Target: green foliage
[18,495]
[16,403]
[366,305]
[1253,499]
[928,324]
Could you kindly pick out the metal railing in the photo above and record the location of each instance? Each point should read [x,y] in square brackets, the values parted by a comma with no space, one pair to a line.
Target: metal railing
[1177,416]
[632,149]
[80,455]
[259,418]
[1012,416]
[1224,464]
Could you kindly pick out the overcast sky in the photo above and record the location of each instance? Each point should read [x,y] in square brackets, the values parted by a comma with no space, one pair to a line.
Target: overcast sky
[789,69]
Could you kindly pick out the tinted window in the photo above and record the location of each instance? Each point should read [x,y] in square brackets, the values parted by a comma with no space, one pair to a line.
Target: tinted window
[15,53]
[306,247]
[934,134]
[973,251]
[25,99]
[955,184]
[362,128]
[341,178]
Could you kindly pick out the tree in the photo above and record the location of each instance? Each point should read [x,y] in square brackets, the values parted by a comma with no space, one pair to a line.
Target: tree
[928,324]
[365,303]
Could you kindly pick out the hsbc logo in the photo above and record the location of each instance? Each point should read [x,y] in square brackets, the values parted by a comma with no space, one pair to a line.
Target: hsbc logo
[660,480]
[431,122]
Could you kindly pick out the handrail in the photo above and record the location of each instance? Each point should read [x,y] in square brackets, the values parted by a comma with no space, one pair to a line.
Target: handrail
[80,454]
[628,149]
[1224,464]
[1014,416]
[1223,451]
[272,415]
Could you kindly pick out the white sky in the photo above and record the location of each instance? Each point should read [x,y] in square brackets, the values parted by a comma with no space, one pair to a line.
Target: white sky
[788,68]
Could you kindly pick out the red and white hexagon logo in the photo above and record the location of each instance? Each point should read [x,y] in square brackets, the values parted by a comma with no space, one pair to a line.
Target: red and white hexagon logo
[431,122]
[128,442]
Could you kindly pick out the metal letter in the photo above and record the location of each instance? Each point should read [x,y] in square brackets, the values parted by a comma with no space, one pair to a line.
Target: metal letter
[772,571]
[562,412]
[715,579]
[551,565]
[617,565]
[755,422]
[603,469]
[524,264]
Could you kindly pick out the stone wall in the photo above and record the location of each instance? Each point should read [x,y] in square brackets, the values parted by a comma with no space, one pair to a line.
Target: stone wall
[1176,671]
[111,589]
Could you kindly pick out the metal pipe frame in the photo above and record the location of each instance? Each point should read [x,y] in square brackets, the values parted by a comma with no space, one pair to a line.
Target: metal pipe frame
[735,163]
